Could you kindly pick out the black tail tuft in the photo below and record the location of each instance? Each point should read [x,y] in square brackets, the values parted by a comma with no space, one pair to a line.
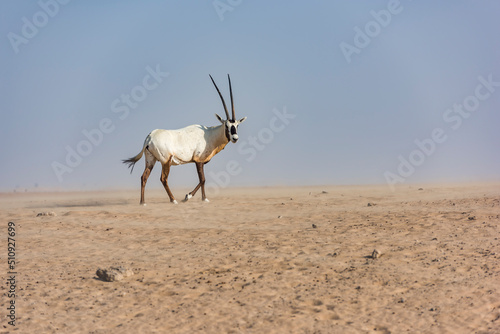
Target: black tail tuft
[131,163]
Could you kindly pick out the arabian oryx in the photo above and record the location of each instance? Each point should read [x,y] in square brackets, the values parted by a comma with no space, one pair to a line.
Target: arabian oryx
[194,143]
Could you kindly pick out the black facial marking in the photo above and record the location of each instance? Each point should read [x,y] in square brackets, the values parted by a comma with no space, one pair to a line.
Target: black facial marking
[233,130]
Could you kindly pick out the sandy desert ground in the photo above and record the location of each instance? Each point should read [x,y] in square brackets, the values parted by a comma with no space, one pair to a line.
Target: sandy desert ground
[258,260]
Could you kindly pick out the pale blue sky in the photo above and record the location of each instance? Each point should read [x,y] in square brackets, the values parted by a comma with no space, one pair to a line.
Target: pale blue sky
[64,66]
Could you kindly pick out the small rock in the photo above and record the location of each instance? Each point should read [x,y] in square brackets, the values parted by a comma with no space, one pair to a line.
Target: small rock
[370,204]
[324,192]
[336,252]
[420,188]
[401,300]
[48,213]
[112,274]
[314,226]
[376,254]
[279,217]
[472,218]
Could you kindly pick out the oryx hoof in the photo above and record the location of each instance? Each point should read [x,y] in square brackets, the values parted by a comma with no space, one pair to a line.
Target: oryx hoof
[174,202]
[206,200]
[188,197]
[142,204]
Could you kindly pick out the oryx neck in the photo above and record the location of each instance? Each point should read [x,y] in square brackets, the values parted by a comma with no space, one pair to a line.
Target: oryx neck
[222,132]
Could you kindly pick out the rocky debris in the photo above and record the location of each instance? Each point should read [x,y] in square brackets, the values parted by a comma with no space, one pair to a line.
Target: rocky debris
[112,274]
[336,252]
[48,213]
[314,226]
[472,218]
[370,204]
[376,254]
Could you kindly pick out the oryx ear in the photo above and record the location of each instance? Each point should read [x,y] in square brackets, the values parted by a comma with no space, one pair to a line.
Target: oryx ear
[242,120]
[219,118]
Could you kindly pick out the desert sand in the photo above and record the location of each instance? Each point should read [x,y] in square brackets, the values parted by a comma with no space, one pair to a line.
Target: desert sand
[258,260]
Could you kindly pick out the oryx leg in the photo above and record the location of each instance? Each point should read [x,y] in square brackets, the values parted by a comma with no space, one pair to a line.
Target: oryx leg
[201,176]
[150,163]
[164,176]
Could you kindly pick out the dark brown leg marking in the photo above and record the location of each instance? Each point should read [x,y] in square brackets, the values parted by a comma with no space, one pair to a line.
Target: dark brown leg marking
[144,179]
[164,176]
[201,176]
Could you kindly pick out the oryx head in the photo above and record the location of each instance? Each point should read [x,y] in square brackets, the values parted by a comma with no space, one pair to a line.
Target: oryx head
[230,124]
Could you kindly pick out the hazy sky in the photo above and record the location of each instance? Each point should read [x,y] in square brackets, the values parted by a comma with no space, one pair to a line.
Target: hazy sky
[336,92]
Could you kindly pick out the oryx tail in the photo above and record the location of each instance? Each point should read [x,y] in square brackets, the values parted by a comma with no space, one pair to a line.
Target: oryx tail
[131,162]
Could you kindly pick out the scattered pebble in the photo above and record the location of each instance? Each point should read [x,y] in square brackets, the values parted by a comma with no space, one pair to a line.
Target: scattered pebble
[314,225]
[472,218]
[112,274]
[48,213]
[324,192]
[420,188]
[370,204]
[279,217]
[376,254]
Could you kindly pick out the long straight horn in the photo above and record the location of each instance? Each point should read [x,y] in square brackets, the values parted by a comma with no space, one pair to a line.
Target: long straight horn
[231,93]
[222,99]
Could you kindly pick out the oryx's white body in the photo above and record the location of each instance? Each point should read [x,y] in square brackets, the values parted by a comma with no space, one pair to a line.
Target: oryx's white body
[195,143]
